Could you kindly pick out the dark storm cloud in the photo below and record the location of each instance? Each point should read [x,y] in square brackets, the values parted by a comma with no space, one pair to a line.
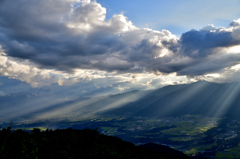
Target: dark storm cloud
[208,49]
[201,43]
[66,34]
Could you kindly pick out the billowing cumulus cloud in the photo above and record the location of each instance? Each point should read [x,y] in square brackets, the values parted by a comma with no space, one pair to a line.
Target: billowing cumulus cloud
[68,41]
[210,48]
[69,35]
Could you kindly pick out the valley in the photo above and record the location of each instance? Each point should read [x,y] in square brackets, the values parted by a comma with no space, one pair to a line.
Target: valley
[199,119]
[195,135]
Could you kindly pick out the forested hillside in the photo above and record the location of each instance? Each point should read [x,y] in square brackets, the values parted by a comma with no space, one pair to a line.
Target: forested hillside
[73,144]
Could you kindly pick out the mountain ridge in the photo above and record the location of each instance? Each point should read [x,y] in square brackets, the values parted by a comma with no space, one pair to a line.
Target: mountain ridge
[202,97]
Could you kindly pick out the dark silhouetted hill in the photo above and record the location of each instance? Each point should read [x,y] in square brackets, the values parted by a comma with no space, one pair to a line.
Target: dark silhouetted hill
[165,150]
[75,144]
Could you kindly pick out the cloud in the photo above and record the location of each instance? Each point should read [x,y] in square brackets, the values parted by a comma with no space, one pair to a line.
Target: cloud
[209,48]
[66,37]
[2,94]
[201,43]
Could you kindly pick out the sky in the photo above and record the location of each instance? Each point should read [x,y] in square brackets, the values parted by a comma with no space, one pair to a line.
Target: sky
[69,49]
[176,16]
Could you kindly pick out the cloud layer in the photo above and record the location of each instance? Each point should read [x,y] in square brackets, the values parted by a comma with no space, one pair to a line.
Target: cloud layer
[69,37]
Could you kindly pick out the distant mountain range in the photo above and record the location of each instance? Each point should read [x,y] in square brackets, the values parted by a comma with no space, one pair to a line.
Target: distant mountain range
[211,99]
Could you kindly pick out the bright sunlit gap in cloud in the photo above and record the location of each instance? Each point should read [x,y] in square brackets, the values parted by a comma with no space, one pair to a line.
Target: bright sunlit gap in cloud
[236,67]
[234,49]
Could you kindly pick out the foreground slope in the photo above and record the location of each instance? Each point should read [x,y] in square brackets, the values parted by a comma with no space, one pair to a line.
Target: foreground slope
[71,144]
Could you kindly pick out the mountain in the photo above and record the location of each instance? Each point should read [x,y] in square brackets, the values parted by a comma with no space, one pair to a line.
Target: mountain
[211,99]
[47,108]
